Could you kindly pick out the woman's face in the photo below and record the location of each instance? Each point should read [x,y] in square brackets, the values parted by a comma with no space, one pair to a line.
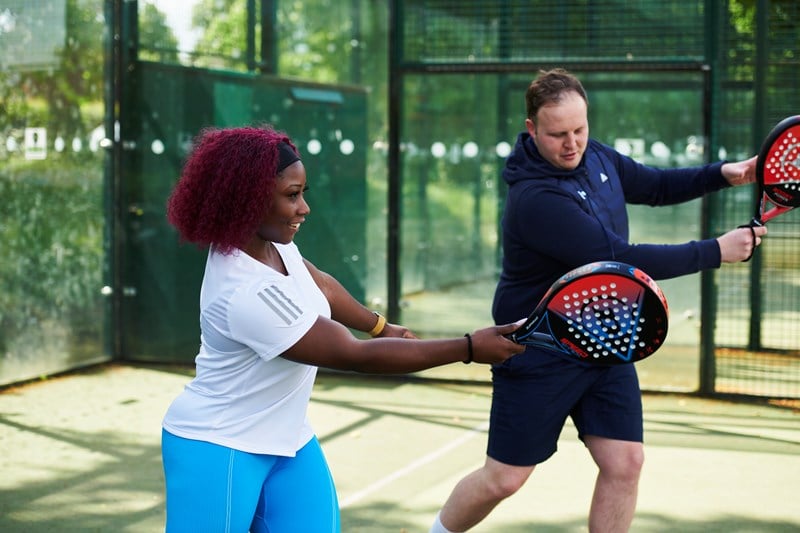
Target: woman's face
[561,131]
[288,208]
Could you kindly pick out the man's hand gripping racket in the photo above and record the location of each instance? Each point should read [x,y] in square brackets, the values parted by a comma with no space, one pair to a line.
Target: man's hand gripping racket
[603,313]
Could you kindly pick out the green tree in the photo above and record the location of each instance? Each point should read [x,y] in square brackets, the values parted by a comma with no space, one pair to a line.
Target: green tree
[157,42]
[223,42]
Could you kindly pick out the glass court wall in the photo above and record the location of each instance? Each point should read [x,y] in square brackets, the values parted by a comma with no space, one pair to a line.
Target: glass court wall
[52,196]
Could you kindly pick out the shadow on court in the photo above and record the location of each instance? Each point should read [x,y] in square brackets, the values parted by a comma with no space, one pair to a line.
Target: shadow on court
[81,453]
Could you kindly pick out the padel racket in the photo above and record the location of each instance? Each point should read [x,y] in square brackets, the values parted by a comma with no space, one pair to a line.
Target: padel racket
[778,171]
[603,313]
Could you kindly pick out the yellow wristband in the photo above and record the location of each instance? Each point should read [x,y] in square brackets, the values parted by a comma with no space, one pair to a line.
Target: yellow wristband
[379,325]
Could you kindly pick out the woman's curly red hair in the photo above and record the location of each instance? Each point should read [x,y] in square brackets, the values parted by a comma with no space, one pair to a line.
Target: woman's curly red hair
[226,185]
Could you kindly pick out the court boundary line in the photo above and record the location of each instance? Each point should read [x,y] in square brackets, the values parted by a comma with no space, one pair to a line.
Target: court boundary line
[414,465]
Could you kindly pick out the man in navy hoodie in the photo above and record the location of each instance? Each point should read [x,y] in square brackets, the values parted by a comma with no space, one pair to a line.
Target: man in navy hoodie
[566,207]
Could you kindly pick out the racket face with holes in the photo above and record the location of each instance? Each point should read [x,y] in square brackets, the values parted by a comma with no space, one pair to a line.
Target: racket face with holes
[778,170]
[604,313]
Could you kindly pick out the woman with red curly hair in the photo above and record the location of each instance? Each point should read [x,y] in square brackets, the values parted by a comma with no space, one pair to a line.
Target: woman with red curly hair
[239,453]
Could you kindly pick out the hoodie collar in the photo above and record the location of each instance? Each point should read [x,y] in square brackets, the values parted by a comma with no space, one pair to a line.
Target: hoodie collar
[525,162]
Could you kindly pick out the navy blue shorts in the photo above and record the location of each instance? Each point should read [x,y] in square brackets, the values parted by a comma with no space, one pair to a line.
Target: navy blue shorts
[535,391]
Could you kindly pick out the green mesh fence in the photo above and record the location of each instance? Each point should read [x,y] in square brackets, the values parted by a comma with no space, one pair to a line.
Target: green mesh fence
[442,31]
[701,81]
[758,304]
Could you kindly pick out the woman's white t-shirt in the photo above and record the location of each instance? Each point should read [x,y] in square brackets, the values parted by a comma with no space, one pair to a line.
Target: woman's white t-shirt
[245,396]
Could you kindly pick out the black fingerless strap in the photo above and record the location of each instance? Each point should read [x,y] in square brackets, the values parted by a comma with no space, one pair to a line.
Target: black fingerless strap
[753,233]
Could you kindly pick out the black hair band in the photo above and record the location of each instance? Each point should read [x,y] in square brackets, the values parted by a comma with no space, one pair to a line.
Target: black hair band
[286,156]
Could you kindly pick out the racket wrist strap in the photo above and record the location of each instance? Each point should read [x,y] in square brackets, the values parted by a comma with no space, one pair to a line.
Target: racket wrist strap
[750,226]
[469,358]
[379,325]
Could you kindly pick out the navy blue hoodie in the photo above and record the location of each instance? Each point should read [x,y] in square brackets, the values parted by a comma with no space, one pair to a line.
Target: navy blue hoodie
[556,220]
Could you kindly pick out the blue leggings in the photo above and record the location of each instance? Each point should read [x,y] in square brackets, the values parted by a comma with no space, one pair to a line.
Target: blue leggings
[212,488]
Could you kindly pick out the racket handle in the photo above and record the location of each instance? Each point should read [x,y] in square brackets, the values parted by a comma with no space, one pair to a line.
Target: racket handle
[537,338]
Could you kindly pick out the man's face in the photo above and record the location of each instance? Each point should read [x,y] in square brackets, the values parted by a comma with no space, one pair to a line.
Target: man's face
[561,131]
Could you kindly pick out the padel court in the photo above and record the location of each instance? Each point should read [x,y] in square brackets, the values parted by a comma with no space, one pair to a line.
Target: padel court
[396,447]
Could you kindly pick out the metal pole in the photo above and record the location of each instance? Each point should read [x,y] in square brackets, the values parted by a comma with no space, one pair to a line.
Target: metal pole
[708,289]
[393,280]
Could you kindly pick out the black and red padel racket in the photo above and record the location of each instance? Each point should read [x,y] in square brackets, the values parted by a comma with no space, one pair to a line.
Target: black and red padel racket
[778,171]
[603,313]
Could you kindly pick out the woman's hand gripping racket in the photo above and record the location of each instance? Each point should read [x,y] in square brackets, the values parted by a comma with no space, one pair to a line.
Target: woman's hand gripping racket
[778,171]
[604,313]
